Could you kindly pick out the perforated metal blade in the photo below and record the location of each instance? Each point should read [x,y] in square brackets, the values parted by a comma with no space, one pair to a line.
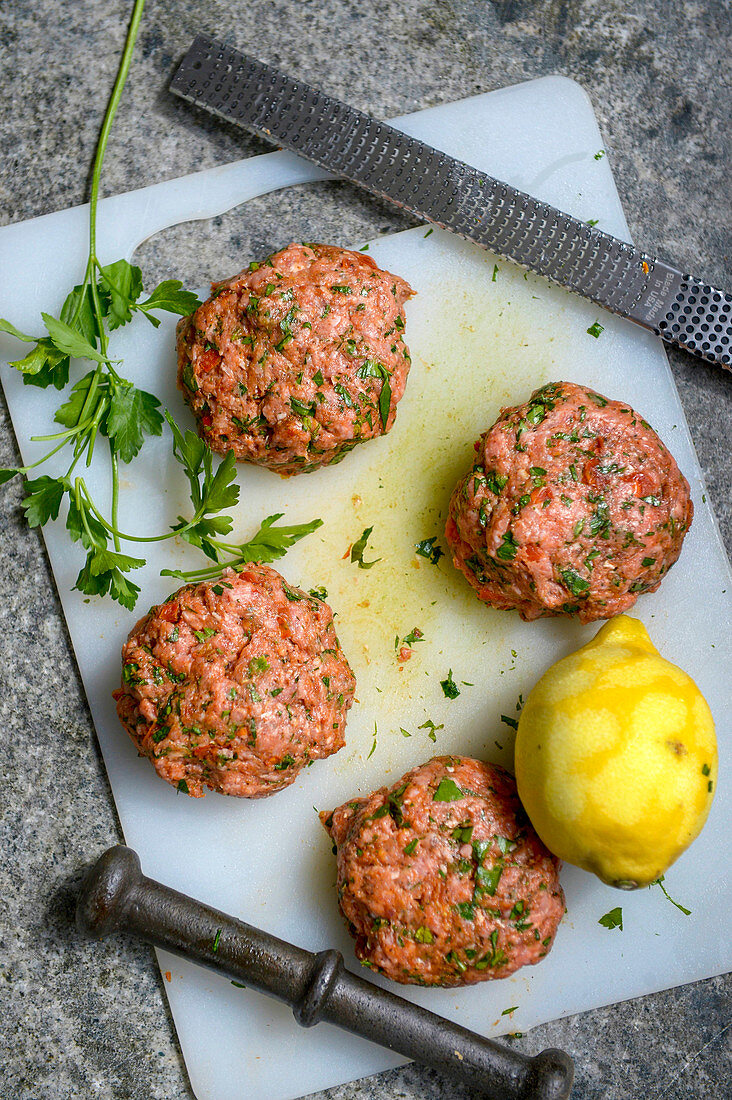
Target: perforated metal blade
[451,194]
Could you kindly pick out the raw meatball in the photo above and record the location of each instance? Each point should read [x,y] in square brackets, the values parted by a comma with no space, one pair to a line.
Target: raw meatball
[235,684]
[442,879]
[295,360]
[573,506]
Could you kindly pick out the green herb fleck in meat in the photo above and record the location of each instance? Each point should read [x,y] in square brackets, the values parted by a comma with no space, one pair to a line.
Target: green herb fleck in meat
[572,581]
[447,791]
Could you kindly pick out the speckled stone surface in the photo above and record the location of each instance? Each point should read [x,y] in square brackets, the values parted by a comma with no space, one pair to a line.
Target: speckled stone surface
[92,1021]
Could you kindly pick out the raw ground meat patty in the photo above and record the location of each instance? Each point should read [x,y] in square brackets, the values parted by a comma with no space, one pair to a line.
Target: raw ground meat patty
[295,360]
[235,684]
[442,879]
[573,506]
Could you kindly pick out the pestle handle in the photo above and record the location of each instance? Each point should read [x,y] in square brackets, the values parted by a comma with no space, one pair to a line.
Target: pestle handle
[116,896]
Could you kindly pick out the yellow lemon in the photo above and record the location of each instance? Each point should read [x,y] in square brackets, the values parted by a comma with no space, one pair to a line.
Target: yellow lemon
[616,757]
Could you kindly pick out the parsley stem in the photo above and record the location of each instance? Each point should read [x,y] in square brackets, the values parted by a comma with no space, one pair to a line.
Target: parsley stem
[115,494]
[117,534]
[76,430]
[111,111]
[40,461]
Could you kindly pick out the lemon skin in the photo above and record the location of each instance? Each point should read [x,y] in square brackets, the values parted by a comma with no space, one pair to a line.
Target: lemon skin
[616,757]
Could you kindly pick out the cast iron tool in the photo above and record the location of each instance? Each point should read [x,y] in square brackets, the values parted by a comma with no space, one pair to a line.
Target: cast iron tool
[388,163]
[116,896]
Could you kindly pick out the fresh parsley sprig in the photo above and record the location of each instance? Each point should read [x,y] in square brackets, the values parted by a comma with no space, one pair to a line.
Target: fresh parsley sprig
[271,542]
[104,404]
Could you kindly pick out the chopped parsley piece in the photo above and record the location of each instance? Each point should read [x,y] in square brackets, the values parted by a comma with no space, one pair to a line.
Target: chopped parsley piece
[487,878]
[647,562]
[594,330]
[592,221]
[507,550]
[508,1011]
[536,413]
[447,791]
[202,635]
[409,849]
[612,919]
[182,786]
[373,369]
[217,937]
[495,273]
[285,762]
[129,673]
[495,482]
[573,582]
[319,593]
[449,687]
[373,747]
[340,289]
[463,834]
[600,518]
[423,935]
[599,154]
[357,550]
[341,390]
[300,409]
[466,910]
[427,548]
[432,729]
[258,664]
[509,721]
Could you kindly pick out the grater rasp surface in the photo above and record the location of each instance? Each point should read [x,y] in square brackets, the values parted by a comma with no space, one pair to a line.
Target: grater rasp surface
[457,197]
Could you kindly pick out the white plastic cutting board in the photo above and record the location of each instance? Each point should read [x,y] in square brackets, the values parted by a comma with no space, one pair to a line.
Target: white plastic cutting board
[478,342]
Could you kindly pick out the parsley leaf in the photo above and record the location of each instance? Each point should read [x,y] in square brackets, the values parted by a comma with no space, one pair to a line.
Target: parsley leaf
[69,341]
[120,285]
[170,297]
[44,365]
[272,542]
[132,414]
[43,499]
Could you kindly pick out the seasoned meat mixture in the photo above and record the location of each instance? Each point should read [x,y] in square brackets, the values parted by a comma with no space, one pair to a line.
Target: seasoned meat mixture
[573,506]
[297,359]
[235,684]
[441,877]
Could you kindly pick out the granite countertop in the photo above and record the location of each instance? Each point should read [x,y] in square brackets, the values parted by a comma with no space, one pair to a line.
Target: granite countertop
[79,1022]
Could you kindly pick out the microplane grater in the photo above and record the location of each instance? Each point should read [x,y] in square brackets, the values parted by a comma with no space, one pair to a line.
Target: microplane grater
[617,276]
